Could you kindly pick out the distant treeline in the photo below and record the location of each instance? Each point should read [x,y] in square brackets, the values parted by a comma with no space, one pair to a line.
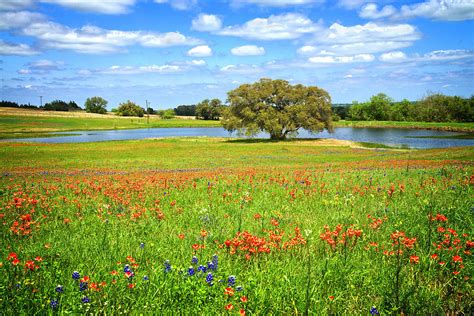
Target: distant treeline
[56,105]
[9,104]
[432,108]
[380,107]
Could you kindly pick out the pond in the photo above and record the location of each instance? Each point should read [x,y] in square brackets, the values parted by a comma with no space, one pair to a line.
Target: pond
[408,138]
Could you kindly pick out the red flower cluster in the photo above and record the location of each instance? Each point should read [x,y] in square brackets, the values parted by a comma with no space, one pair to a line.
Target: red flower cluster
[338,237]
[249,245]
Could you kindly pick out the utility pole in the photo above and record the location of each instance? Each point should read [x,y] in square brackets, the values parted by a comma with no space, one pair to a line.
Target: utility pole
[147,113]
[41,100]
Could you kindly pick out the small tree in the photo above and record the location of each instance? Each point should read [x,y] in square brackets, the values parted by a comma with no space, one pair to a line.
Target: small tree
[167,114]
[278,108]
[130,109]
[209,110]
[96,105]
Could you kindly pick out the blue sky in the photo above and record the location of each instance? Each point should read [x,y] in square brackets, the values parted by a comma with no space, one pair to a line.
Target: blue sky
[173,52]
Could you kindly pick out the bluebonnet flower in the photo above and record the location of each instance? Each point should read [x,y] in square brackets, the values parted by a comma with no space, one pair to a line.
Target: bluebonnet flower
[126,268]
[239,288]
[194,260]
[76,275]
[374,311]
[210,265]
[209,279]
[83,286]
[231,281]
[142,245]
[59,289]
[167,266]
[201,268]
[54,304]
[191,271]
[215,261]
[85,299]
[145,278]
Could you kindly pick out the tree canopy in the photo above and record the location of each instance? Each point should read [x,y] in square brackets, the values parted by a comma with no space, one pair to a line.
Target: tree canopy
[96,105]
[59,105]
[130,109]
[278,108]
[209,110]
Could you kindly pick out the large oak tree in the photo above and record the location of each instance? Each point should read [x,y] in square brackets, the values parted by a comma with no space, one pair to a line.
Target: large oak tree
[278,108]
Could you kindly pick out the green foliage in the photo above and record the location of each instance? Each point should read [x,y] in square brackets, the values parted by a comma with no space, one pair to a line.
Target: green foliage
[278,108]
[209,110]
[130,109]
[96,105]
[432,108]
[167,114]
[9,104]
[185,110]
[58,105]
[150,111]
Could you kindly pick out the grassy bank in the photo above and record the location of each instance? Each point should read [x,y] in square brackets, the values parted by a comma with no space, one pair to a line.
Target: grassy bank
[205,153]
[20,123]
[443,126]
[216,226]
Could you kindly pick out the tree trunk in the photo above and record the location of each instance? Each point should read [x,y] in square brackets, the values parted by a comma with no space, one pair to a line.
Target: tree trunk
[277,136]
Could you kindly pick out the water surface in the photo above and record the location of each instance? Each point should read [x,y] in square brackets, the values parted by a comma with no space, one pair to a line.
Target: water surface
[388,136]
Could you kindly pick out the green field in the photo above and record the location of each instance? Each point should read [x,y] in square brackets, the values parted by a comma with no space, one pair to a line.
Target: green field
[443,126]
[30,123]
[20,123]
[295,227]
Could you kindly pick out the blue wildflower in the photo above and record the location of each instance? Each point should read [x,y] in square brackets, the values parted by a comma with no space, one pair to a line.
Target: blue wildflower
[59,289]
[76,275]
[209,279]
[374,311]
[210,265]
[126,268]
[145,278]
[167,266]
[54,304]
[85,300]
[142,245]
[201,268]
[194,260]
[215,261]
[83,286]
[191,271]
[231,281]
[239,288]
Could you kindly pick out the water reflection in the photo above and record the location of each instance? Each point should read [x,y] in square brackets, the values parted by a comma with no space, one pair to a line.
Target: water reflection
[387,136]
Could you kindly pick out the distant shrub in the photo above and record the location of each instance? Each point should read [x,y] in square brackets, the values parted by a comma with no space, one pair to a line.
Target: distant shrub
[96,105]
[58,105]
[130,109]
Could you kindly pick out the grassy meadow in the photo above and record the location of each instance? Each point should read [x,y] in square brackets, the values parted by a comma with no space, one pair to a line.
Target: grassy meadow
[25,123]
[219,226]
[21,123]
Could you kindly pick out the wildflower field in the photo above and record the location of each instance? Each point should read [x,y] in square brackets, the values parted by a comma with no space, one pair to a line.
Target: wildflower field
[198,226]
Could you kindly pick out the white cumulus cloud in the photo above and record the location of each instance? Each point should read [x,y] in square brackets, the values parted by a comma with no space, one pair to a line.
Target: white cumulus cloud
[206,23]
[275,27]
[179,4]
[200,51]
[444,10]
[87,39]
[130,70]
[7,48]
[341,59]
[370,11]
[248,50]
[100,6]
